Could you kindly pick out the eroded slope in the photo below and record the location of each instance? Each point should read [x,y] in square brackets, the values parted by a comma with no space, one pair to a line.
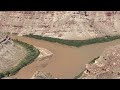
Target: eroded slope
[106,67]
[10,53]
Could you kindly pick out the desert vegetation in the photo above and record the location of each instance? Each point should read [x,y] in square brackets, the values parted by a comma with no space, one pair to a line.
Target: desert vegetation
[76,43]
[93,61]
[79,75]
[32,53]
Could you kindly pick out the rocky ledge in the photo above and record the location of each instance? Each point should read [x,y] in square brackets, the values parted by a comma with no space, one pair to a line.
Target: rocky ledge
[42,75]
[107,66]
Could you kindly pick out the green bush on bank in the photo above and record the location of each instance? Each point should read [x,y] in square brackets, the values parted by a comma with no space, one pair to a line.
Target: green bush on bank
[78,76]
[2,75]
[32,53]
[76,43]
[91,62]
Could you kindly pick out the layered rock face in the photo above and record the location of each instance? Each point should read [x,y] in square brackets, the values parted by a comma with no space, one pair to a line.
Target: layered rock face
[10,53]
[106,67]
[76,25]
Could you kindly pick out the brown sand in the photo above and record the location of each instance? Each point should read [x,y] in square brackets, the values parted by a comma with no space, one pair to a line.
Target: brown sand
[66,62]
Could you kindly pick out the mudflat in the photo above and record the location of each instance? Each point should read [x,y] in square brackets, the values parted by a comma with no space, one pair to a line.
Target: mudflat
[66,62]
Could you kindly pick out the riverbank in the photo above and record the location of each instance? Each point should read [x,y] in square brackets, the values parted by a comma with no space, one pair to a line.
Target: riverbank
[32,53]
[91,62]
[76,43]
[66,62]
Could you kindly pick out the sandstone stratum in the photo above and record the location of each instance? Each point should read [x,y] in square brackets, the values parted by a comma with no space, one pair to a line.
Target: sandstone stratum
[73,25]
[107,66]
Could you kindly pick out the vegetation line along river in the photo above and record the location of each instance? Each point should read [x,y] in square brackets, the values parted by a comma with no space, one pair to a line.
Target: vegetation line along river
[67,62]
[32,53]
[76,43]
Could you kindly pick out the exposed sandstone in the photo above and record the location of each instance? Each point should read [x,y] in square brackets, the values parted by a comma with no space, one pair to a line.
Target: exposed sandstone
[10,53]
[77,25]
[42,75]
[106,67]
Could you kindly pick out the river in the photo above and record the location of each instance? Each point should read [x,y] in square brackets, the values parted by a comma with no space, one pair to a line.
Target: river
[66,62]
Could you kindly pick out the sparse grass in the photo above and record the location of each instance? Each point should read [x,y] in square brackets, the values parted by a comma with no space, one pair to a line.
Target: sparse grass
[32,53]
[76,43]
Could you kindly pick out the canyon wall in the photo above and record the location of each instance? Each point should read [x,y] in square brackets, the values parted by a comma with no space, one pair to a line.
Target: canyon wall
[76,25]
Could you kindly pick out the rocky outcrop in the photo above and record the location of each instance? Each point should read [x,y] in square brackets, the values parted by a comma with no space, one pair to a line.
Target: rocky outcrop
[10,53]
[77,25]
[44,53]
[42,75]
[106,67]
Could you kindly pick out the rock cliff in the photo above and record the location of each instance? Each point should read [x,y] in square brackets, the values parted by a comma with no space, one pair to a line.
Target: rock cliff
[75,25]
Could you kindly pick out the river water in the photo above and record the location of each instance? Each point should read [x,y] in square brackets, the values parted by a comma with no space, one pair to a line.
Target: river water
[66,62]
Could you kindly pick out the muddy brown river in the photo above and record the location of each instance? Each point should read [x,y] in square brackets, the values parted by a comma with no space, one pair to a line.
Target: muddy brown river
[66,62]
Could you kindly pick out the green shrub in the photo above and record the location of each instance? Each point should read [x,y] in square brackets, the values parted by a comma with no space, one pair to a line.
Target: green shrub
[78,76]
[1,75]
[93,61]
[7,73]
